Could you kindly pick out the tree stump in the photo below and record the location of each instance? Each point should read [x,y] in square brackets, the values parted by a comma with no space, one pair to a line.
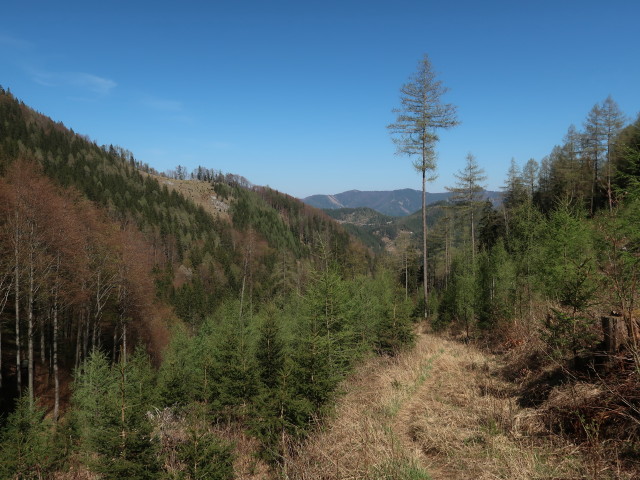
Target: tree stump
[615,333]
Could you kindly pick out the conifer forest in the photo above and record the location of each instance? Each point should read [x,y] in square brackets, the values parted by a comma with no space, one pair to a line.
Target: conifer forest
[193,325]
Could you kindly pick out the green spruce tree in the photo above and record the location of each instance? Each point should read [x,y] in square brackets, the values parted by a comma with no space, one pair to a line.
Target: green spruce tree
[110,407]
[28,449]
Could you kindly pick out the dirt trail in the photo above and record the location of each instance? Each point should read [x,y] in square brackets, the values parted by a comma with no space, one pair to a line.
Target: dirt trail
[439,412]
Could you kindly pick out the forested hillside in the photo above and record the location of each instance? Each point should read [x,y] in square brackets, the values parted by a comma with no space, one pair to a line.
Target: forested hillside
[233,316]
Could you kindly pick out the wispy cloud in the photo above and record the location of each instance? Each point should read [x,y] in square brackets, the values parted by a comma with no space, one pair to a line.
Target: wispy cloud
[85,81]
[169,110]
[93,82]
[163,105]
[27,58]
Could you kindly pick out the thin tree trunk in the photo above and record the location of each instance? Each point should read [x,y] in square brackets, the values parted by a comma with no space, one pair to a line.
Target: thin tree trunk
[56,378]
[123,433]
[30,329]
[42,343]
[17,308]
[124,343]
[593,194]
[609,191]
[96,316]
[450,230]
[94,332]
[424,240]
[4,303]
[78,341]
[85,347]
[473,237]
[593,183]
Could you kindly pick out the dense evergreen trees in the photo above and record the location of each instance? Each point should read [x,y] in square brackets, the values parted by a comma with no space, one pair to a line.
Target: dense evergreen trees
[28,447]
[277,367]
[563,231]
[271,368]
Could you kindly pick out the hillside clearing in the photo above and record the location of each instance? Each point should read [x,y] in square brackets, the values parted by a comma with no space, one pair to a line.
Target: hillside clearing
[438,411]
[201,193]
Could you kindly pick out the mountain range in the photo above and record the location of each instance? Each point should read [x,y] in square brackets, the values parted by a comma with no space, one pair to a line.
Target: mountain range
[396,203]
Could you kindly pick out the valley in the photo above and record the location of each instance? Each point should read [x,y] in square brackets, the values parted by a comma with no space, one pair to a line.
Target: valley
[189,325]
[393,203]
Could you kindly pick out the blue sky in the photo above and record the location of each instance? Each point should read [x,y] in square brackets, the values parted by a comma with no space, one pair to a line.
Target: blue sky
[297,94]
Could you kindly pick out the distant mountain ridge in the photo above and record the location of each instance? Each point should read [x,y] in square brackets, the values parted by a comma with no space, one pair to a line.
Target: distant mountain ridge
[396,203]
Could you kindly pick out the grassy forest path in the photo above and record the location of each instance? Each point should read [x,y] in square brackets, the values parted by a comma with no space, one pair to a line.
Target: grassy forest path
[439,411]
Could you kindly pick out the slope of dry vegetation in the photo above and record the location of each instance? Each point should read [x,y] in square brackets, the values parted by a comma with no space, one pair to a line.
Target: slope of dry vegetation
[442,410]
[201,193]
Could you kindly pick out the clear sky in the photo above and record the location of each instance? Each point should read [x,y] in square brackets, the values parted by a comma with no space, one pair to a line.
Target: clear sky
[297,94]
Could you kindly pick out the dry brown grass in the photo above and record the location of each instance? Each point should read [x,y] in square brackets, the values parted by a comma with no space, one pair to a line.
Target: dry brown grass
[441,407]
[171,429]
[247,465]
[359,435]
